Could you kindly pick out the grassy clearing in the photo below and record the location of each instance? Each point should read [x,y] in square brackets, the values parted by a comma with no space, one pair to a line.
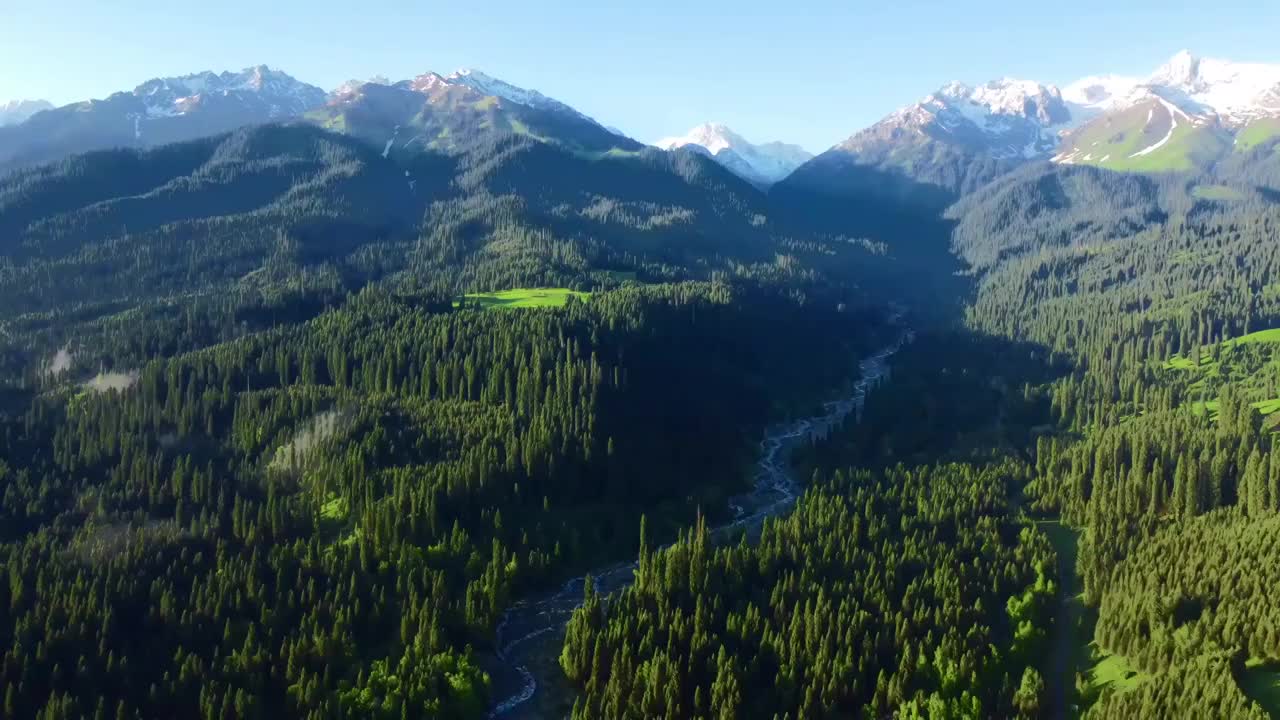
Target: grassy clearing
[1074,652]
[1216,192]
[1264,407]
[525,298]
[521,129]
[1216,372]
[1072,626]
[1115,672]
[335,509]
[614,153]
[1261,682]
[1179,362]
[1262,336]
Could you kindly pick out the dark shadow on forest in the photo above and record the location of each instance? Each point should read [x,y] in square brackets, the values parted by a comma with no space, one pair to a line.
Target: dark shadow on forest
[954,395]
[905,216]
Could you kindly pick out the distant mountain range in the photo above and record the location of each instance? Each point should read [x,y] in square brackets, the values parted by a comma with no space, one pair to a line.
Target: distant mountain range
[158,112]
[429,111]
[762,164]
[18,111]
[1187,115]
[453,112]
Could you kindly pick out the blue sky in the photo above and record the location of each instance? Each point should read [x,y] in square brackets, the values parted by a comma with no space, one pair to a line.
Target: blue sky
[805,71]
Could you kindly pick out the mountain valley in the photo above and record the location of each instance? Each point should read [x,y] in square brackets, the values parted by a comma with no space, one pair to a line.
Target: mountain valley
[438,398]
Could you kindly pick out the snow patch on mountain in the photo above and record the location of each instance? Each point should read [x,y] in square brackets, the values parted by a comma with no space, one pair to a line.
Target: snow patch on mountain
[1173,126]
[765,163]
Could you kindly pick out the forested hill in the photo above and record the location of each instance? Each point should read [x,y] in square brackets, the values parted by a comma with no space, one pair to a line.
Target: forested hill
[265,452]
[1109,402]
[289,420]
[328,519]
[269,224]
[1160,293]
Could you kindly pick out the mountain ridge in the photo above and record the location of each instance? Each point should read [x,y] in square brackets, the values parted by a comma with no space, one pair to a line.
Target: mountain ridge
[1184,116]
[157,112]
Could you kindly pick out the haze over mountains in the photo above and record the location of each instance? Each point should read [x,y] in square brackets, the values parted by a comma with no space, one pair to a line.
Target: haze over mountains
[17,111]
[1187,114]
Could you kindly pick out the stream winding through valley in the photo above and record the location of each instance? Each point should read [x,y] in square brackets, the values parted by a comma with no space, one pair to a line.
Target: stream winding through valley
[525,627]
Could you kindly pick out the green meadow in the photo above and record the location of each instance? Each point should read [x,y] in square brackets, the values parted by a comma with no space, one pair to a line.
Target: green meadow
[1226,367]
[525,298]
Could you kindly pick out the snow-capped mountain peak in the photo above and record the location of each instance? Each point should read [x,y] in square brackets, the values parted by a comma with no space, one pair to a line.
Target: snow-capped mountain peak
[428,82]
[763,164]
[1121,117]
[1007,118]
[1234,92]
[1008,96]
[712,137]
[280,94]
[14,112]
[1181,70]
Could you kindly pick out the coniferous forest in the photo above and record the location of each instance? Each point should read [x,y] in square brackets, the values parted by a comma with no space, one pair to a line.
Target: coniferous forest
[288,427]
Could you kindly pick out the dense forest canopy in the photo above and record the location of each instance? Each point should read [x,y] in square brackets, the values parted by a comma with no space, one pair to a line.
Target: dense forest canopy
[261,456]
[272,445]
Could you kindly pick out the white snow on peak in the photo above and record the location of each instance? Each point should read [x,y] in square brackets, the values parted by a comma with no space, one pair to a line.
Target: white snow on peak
[1011,118]
[1181,69]
[276,92]
[1006,96]
[427,82]
[15,112]
[1235,92]
[488,85]
[713,137]
[1011,97]
[474,80]
[765,163]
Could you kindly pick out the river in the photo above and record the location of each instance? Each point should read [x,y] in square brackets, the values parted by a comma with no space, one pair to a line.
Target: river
[528,626]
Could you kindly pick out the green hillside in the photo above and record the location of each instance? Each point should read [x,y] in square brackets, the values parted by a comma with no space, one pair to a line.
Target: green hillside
[1123,142]
[1257,133]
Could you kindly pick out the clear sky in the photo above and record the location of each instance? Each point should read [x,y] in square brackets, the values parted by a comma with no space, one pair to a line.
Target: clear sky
[804,71]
